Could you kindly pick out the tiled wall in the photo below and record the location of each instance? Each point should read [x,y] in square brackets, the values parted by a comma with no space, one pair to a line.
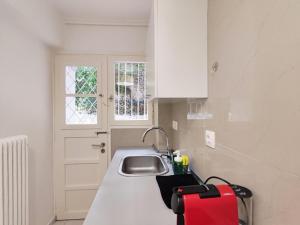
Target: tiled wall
[128,137]
[164,121]
[255,101]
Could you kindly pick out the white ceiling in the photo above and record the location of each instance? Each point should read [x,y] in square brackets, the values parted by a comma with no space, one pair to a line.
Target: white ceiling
[104,10]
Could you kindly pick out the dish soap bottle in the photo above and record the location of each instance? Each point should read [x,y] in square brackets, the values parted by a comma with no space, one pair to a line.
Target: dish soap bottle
[185,163]
[177,165]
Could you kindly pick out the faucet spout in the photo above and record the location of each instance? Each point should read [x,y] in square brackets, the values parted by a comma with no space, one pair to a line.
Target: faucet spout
[162,131]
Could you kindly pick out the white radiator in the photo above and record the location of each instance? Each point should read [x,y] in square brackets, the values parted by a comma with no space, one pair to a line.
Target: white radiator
[14,181]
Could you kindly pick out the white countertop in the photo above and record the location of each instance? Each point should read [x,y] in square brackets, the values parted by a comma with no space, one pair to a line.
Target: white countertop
[124,200]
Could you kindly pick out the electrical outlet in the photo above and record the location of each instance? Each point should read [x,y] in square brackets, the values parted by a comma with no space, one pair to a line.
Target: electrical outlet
[175,125]
[210,138]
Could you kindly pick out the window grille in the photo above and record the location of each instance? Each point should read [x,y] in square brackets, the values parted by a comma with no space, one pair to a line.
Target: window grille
[130,91]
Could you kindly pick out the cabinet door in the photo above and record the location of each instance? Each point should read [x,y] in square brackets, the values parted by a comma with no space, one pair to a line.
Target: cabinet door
[180,40]
[150,55]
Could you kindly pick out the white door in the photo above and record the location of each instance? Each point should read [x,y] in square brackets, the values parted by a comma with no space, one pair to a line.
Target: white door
[81,140]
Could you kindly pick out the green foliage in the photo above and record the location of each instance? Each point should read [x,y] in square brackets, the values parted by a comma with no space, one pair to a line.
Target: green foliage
[86,80]
[86,83]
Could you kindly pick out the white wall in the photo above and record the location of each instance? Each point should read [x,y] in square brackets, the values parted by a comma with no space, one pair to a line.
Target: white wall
[26,108]
[38,17]
[104,39]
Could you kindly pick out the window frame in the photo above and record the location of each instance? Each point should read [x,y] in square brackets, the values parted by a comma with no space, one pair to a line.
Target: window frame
[111,87]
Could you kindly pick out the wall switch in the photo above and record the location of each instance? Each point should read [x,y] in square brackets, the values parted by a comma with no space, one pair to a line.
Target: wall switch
[210,138]
[175,125]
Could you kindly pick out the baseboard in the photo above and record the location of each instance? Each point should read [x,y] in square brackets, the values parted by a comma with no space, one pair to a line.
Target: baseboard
[52,220]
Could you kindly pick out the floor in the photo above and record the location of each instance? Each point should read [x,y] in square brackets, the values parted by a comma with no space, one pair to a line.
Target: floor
[69,222]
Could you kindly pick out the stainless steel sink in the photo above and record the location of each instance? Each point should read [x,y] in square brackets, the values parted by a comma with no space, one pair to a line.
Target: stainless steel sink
[146,165]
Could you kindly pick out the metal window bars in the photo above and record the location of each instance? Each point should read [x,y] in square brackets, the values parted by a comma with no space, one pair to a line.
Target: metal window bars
[130,91]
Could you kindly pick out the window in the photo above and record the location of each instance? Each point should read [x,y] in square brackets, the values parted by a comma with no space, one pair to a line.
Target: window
[130,103]
[80,95]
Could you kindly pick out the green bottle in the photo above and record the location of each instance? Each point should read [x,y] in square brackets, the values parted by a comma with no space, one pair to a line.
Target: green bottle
[178,167]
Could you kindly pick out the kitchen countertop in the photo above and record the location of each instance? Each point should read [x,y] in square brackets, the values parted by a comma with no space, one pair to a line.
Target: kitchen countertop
[124,200]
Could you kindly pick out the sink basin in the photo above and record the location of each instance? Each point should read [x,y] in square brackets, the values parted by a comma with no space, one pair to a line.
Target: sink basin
[146,165]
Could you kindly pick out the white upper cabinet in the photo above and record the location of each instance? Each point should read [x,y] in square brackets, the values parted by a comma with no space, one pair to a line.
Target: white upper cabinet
[176,49]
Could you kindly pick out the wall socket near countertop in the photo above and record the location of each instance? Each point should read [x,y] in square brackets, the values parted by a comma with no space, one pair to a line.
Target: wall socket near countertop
[175,125]
[210,138]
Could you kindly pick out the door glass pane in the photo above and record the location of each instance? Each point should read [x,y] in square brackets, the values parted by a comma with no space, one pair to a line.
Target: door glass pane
[81,80]
[80,95]
[81,110]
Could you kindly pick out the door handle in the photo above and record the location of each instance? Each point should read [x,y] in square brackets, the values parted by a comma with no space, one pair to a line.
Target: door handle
[102,150]
[100,132]
[102,145]
[96,146]
[111,98]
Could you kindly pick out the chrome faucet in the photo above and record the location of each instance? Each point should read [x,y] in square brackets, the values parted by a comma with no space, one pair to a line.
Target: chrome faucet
[162,131]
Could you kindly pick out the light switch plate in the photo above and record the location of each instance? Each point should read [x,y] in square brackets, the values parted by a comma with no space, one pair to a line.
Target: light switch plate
[210,138]
[175,125]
